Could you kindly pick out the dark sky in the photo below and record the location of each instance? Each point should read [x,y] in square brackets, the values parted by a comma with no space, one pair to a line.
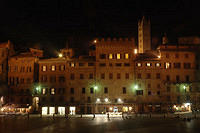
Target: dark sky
[50,23]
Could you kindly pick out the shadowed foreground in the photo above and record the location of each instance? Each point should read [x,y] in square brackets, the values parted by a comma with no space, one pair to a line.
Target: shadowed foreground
[98,125]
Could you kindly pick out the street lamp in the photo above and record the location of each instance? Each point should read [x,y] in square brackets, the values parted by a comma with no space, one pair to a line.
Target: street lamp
[106,100]
[60,55]
[136,86]
[98,99]
[95,88]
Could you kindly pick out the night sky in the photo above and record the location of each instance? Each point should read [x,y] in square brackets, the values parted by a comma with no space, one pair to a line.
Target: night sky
[49,24]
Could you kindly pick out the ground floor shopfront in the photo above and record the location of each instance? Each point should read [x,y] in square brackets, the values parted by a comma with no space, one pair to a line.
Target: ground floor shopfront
[86,109]
[105,108]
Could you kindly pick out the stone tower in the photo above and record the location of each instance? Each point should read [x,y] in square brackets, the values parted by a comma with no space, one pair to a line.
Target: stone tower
[144,35]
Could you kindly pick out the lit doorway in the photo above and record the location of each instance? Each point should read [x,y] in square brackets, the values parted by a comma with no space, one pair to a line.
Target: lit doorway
[61,110]
[36,103]
[51,110]
[72,110]
[44,110]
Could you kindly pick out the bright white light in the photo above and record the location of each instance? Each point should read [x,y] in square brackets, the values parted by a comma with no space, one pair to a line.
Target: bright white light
[60,55]
[159,56]
[130,108]
[184,87]
[111,108]
[95,87]
[106,99]
[186,104]
[136,87]
[119,100]
[98,99]
[37,88]
[95,41]
[135,51]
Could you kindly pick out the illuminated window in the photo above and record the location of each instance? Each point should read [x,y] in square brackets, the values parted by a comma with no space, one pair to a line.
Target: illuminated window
[52,91]
[148,64]
[44,68]
[118,56]
[126,56]
[53,68]
[167,65]
[158,64]
[43,91]
[135,51]
[139,64]
[110,56]
[62,67]
[72,64]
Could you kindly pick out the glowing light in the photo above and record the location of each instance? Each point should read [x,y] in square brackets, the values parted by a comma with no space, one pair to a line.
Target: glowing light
[118,56]
[110,56]
[159,56]
[98,99]
[130,108]
[111,108]
[135,51]
[186,104]
[95,41]
[37,88]
[184,87]
[136,87]
[95,87]
[167,65]
[126,56]
[60,55]
[148,64]
[106,99]
[119,100]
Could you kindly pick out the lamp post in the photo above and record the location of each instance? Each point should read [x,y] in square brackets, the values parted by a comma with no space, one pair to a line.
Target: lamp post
[95,88]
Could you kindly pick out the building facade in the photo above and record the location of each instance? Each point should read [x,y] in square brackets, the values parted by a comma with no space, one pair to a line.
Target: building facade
[22,76]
